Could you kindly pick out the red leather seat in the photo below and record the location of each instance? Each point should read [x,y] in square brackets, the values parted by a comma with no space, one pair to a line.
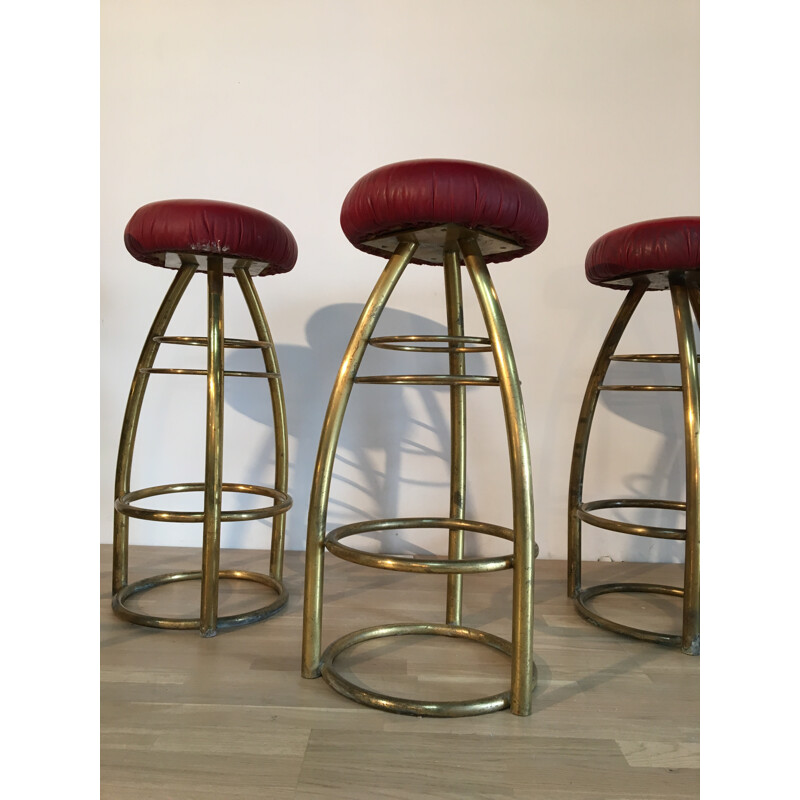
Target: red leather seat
[413,195]
[158,232]
[647,250]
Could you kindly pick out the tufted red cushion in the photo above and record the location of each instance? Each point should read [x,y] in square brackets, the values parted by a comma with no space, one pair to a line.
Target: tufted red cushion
[645,249]
[159,231]
[411,195]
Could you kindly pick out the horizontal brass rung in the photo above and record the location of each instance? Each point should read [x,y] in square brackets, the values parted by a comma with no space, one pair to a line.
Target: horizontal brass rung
[124,504]
[474,344]
[651,358]
[433,380]
[202,341]
[639,388]
[583,512]
[409,564]
[226,373]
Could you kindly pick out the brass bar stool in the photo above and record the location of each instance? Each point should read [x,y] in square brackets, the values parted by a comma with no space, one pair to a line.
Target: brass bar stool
[219,239]
[647,256]
[435,212]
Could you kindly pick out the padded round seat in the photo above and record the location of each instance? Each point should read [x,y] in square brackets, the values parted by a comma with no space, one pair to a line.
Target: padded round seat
[646,251]
[159,233]
[430,193]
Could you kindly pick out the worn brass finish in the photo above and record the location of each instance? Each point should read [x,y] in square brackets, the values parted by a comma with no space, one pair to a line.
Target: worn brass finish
[460,246]
[212,515]
[222,623]
[685,293]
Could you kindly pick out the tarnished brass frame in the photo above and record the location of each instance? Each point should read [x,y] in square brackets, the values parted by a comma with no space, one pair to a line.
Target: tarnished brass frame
[685,295]
[120,608]
[523,672]
[212,487]
[400,705]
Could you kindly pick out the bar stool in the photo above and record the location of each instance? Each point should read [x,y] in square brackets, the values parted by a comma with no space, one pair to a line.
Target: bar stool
[647,256]
[435,212]
[219,239]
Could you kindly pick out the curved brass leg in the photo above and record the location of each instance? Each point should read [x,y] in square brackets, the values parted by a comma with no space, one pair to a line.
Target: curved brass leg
[523,671]
[323,470]
[278,415]
[578,466]
[130,423]
[690,639]
[458,431]
[212,508]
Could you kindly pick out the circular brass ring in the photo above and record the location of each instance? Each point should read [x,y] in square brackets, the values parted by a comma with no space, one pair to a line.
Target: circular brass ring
[584,513]
[429,565]
[438,344]
[431,380]
[585,595]
[400,705]
[202,341]
[230,621]
[124,504]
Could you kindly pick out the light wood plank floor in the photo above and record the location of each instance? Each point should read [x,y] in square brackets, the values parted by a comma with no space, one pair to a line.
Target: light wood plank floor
[230,717]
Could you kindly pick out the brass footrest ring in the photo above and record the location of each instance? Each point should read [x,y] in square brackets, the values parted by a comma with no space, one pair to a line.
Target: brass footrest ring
[429,565]
[400,705]
[230,621]
[584,510]
[588,614]
[124,504]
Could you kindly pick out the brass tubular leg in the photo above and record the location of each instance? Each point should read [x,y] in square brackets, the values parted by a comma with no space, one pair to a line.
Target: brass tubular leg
[331,427]
[278,415]
[578,466]
[522,666]
[690,639]
[130,422]
[212,508]
[458,431]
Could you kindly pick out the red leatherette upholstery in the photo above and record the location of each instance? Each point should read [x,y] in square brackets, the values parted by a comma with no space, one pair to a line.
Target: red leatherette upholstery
[210,227]
[654,246]
[412,195]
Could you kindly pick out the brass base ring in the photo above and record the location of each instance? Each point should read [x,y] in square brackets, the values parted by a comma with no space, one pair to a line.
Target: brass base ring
[231,621]
[399,705]
[585,595]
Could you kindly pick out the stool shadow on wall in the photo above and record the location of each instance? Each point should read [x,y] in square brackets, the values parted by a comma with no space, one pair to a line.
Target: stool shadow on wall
[394,449]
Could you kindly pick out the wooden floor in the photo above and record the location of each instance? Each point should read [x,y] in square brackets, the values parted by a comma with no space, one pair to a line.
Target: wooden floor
[230,717]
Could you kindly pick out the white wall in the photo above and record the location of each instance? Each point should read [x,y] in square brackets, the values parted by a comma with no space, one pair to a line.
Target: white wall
[282,105]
